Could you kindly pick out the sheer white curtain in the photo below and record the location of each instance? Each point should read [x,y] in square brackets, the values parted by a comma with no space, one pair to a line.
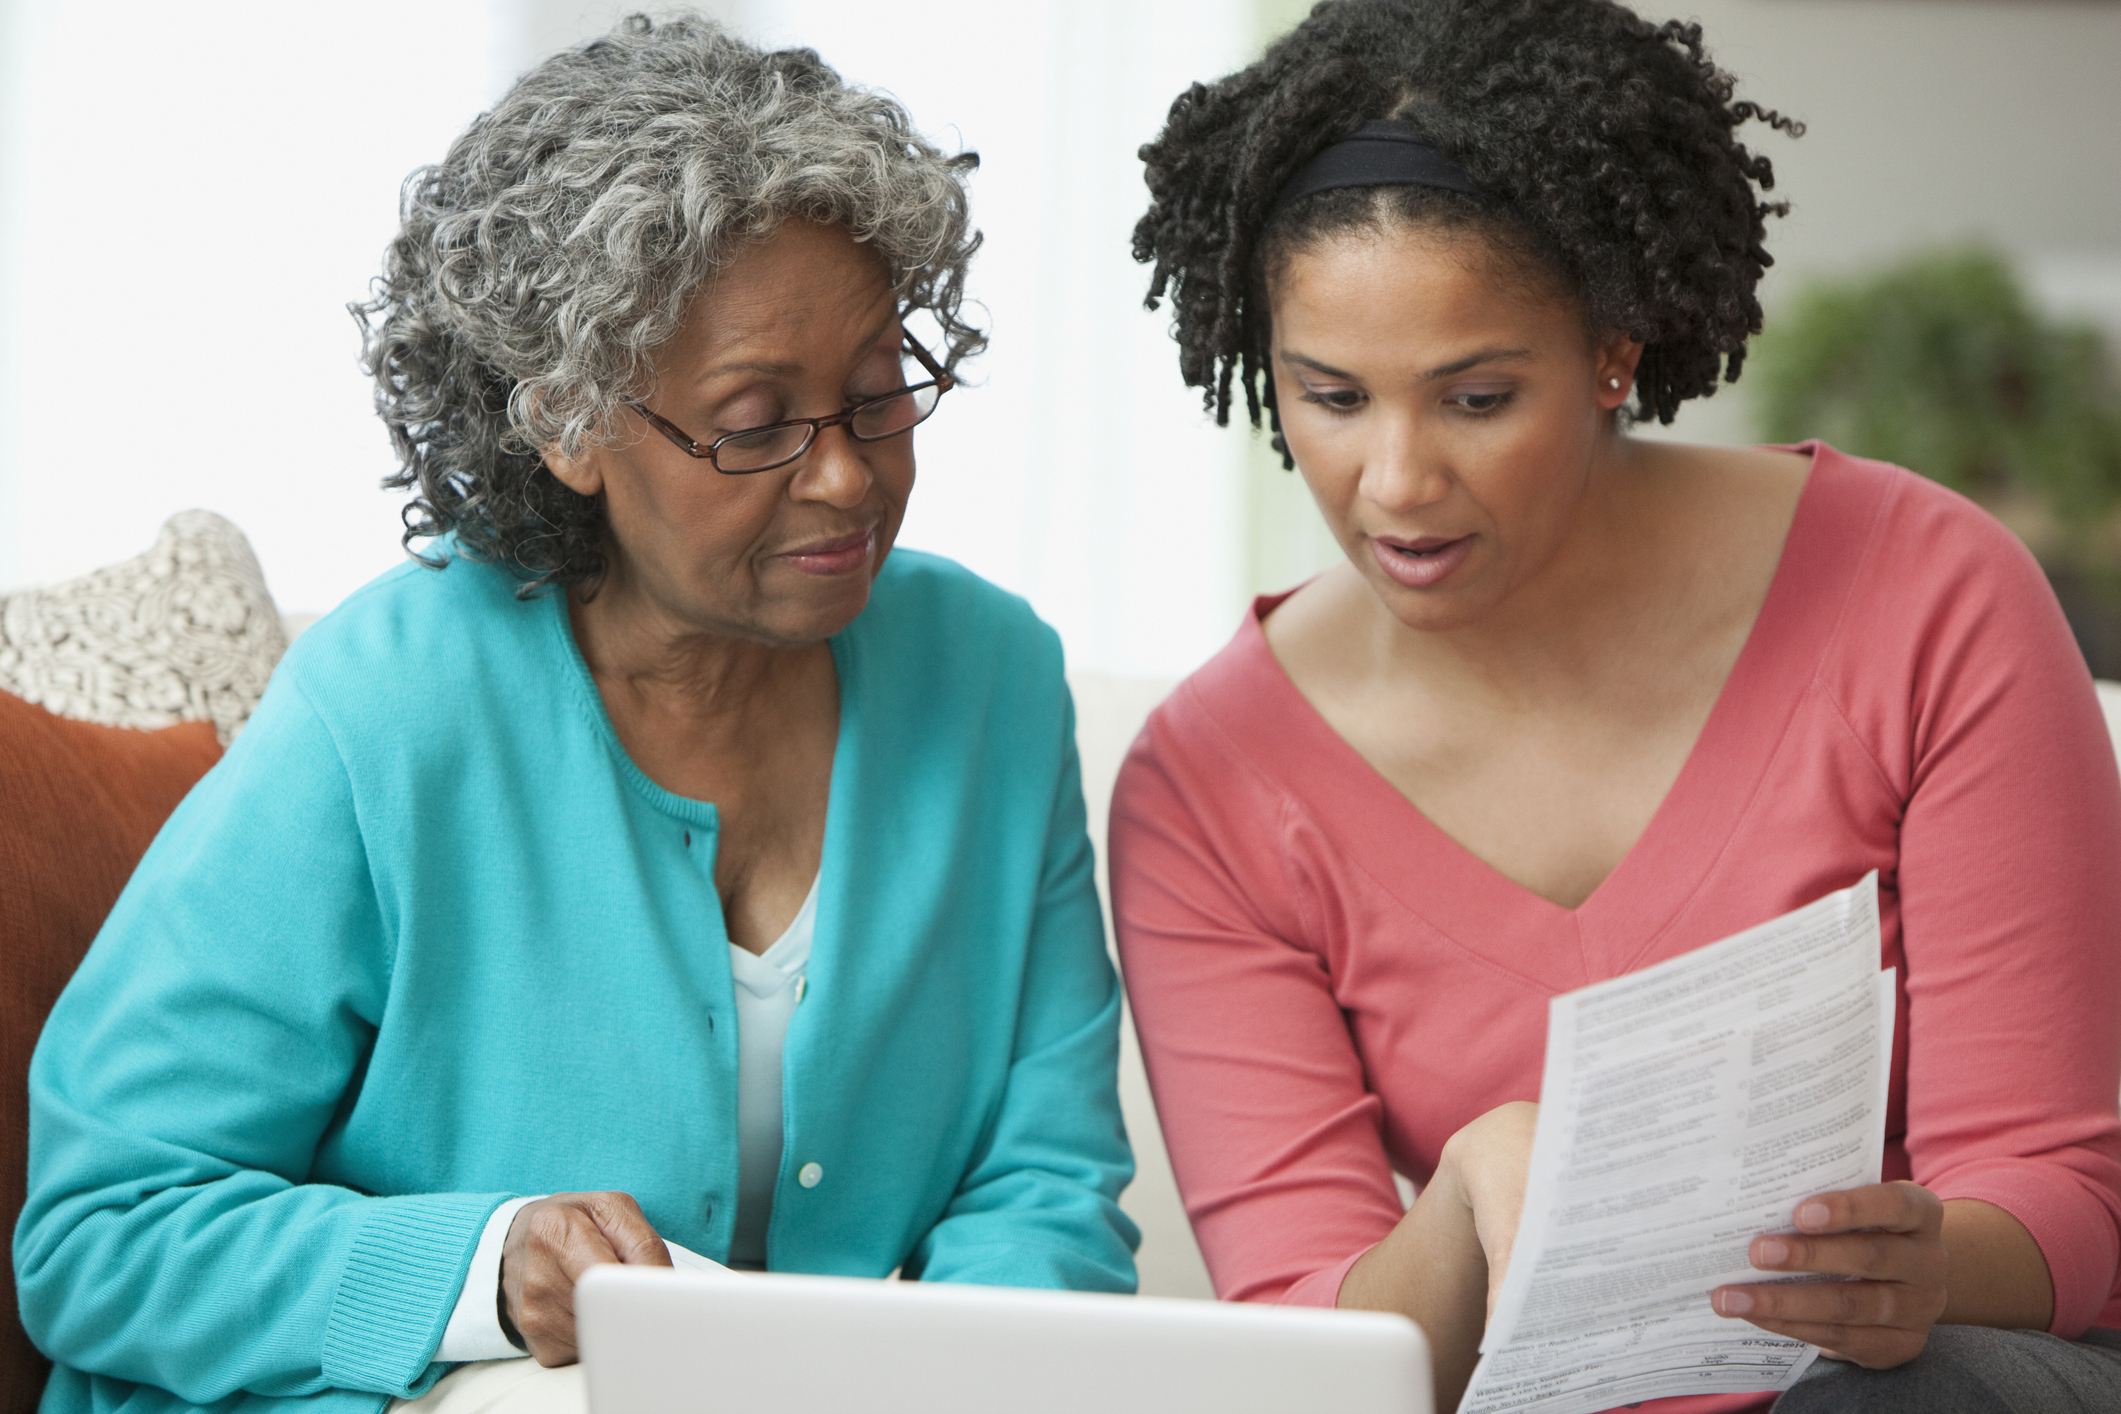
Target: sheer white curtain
[190,193]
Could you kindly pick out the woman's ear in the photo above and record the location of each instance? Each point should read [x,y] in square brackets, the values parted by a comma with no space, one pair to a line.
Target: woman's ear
[582,474]
[1616,362]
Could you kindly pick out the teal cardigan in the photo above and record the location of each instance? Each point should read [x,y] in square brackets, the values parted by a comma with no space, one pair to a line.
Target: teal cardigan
[426,939]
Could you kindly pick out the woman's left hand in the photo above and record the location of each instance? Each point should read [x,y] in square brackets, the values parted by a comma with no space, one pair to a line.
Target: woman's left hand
[1887,1237]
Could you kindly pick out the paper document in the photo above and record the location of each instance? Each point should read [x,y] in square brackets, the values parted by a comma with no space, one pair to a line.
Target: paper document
[1684,1110]
[690,1260]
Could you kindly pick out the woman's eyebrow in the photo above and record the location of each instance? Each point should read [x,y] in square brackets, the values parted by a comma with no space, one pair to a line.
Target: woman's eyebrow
[1290,356]
[1460,365]
[781,369]
[750,365]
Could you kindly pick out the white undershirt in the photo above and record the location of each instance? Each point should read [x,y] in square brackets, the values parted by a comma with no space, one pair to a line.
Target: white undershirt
[768,987]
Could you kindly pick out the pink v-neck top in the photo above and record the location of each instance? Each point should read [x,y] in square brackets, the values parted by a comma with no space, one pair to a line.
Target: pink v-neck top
[1327,986]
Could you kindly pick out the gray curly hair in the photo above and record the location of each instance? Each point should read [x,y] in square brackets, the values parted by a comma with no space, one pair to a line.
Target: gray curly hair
[556,246]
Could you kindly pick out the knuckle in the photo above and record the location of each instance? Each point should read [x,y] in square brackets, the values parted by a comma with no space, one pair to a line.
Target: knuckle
[549,1225]
[1922,1210]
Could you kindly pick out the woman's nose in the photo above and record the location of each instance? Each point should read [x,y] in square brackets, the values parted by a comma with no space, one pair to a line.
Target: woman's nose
[1402,474]
[835,470]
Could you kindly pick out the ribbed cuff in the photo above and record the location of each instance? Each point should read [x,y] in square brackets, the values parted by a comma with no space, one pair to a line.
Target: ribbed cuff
[474,1330]
[401,1281]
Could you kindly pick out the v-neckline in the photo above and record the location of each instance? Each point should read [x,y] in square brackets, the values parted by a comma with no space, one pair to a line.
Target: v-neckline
[1465,897]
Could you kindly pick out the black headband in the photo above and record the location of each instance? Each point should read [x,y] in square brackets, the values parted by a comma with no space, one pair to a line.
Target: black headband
[1386,153]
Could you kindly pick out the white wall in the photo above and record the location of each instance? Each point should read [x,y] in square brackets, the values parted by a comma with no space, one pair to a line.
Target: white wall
[192,193]
[189,194]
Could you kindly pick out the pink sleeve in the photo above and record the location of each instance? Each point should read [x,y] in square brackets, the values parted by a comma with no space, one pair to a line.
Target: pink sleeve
[1274,1138]
[2010,905]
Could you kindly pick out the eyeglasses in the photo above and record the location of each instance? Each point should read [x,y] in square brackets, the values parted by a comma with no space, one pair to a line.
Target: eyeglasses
[779,443]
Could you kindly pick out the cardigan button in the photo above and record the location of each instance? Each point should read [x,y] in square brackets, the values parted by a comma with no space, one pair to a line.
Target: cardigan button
[810,1176]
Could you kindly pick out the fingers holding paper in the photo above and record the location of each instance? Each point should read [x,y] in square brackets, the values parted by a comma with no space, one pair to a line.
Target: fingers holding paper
[1887,1241]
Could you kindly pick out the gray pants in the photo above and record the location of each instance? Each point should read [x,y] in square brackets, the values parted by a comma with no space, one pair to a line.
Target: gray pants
[1973,1370]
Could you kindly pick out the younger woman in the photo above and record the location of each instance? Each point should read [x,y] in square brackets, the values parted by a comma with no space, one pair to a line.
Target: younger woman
[1577,703]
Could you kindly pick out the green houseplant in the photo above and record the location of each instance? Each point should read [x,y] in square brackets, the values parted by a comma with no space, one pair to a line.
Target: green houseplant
[1940,363]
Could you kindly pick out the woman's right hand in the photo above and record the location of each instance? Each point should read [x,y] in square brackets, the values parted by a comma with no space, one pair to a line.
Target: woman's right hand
[1442,1266]
[550,1244]
[1486,1164]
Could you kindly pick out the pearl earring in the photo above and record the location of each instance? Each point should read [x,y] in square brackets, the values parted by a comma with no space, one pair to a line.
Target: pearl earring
[1613,382]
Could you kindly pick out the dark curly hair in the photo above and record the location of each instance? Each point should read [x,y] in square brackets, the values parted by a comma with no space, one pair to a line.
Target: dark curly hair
[545,258]
[1603,146]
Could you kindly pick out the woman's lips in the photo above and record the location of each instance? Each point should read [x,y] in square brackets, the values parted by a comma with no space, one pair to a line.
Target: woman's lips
[835,556]
[1422,563]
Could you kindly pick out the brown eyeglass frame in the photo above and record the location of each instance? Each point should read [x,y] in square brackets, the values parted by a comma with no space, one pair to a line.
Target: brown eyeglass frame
[941,381]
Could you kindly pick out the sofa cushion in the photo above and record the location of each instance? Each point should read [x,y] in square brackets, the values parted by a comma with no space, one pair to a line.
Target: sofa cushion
[79,804]
[185,632]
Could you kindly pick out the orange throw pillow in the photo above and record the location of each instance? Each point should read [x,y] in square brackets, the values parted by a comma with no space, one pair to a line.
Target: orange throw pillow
[79,804]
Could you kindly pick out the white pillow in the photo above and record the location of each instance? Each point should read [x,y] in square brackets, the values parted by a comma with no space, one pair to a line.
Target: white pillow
[185,632]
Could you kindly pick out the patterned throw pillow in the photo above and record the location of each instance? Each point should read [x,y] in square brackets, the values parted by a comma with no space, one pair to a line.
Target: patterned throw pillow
[185,632]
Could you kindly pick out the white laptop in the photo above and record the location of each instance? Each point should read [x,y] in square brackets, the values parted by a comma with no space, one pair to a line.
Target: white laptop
[657,1340]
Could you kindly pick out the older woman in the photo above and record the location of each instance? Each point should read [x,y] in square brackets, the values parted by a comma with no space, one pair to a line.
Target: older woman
[1578,702]
[663,859]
